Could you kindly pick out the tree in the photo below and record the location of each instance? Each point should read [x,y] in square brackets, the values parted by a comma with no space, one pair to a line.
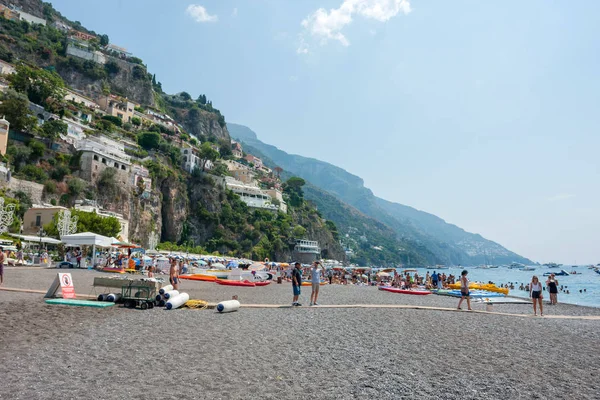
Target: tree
[185,95]
[53,129]
[112,68]
[104,40]
[25,203]
[293,187]
[207,153]
[88,222]
[19,155]
[136,121]
[149,140]
[114,120]
[15,108]
[201,99]
[76,186]
[299,232]
[37,150]
[41,86]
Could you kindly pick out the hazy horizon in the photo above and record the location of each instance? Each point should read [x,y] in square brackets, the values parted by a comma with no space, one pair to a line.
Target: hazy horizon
[481,113]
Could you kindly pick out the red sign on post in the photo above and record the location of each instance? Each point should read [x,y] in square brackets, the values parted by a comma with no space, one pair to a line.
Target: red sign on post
[66,286]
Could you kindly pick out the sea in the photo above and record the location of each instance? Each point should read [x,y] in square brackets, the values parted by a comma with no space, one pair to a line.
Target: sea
[585,278]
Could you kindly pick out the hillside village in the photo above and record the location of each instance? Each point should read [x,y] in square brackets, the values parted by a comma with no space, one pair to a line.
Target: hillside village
[153,166]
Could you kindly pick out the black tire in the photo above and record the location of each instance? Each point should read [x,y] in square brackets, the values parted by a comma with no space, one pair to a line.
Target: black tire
[130,304]
[144,306]
[150,305]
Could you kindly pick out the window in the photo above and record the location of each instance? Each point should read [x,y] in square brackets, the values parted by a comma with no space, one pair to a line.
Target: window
[104,161]
[120,115]
[95,157]
[38,220]
[123,168]
[116,165]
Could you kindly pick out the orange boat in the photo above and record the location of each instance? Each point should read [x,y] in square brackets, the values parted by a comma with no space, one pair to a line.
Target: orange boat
[199,277]
[117,270]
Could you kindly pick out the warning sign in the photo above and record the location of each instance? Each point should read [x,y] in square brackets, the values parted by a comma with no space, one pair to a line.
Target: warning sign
[64,281]
[66,286]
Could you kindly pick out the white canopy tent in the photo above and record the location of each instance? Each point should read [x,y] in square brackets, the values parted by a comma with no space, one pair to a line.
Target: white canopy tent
[36,239]
[88,239]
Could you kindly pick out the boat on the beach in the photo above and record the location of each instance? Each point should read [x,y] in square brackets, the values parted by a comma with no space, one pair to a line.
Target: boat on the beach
[309,283]
[417,292]
[481,286]
[472,293]
[113,270]
[199,277]
[263,283]
[227,282]
[528,269]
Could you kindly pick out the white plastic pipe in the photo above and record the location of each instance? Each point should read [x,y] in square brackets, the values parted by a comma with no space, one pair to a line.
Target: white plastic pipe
[165,289]
[177,301]
[159,297]
[170,294]
[228,306]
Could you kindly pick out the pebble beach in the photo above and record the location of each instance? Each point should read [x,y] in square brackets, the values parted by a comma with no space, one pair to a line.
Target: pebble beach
[293,353]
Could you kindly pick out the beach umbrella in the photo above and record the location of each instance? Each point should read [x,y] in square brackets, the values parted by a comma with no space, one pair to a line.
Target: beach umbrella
[284,265]
[257,267]
[383,274]
[233,264]
[201,262]
[218,266]
[125,245]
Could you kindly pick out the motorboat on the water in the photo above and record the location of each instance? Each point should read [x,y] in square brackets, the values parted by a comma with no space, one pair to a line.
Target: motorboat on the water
[552,265]
[528,269]
[561,273]
[516,265]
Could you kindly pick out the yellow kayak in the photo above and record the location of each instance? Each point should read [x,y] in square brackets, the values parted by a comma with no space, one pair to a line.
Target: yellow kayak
[306,283]
[481,286]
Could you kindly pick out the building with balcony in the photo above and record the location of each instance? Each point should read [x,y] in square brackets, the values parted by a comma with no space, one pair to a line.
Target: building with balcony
[32,19]
[140,178]
[82,35]
[257,162]
[277,197]
[75,132]
[99,153]
[236,149]
[253,196]
[117,106]
[37,216]
[117,50]
[78,98]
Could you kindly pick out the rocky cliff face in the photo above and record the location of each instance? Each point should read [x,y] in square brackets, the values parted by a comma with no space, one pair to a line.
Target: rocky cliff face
[145,216]
[130,81]
[175,209]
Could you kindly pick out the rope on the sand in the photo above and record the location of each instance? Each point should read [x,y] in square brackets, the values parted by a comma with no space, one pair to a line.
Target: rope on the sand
[196,304]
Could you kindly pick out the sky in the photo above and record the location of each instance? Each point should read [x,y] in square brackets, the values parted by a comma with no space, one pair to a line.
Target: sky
[484,113]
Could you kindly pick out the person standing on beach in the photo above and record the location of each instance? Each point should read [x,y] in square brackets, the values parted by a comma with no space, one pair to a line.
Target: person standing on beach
[552,285]
[315,279]
[464,290]
[2,258]
[296,283]
[535,292]
[434,279]
[174,274]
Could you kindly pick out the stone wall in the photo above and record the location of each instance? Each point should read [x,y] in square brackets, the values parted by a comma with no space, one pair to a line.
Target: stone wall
[34,190]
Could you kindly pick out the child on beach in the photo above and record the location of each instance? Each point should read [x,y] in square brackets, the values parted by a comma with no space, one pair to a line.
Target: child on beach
[535,292]
[464,290]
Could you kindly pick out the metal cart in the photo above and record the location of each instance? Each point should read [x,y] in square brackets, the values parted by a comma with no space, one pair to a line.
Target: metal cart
[138,296]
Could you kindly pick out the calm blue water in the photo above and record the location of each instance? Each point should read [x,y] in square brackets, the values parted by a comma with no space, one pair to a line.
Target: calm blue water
[584,279]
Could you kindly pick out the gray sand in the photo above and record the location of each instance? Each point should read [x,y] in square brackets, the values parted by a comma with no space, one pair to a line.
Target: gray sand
[76,352]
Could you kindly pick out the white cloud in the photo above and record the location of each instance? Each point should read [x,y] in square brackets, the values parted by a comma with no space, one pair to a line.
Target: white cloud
[561,197]
[302,47]
[328,25]
[234,12]
[199,14]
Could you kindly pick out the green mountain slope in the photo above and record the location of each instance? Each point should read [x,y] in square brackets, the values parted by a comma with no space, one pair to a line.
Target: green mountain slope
[438,241]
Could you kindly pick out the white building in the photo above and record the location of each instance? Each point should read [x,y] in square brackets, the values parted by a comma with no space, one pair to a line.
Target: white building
[99,153]
[81,99]
[277,195]
[190,160]
[32,19]
[252,195]
[90,206]
[74,132]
